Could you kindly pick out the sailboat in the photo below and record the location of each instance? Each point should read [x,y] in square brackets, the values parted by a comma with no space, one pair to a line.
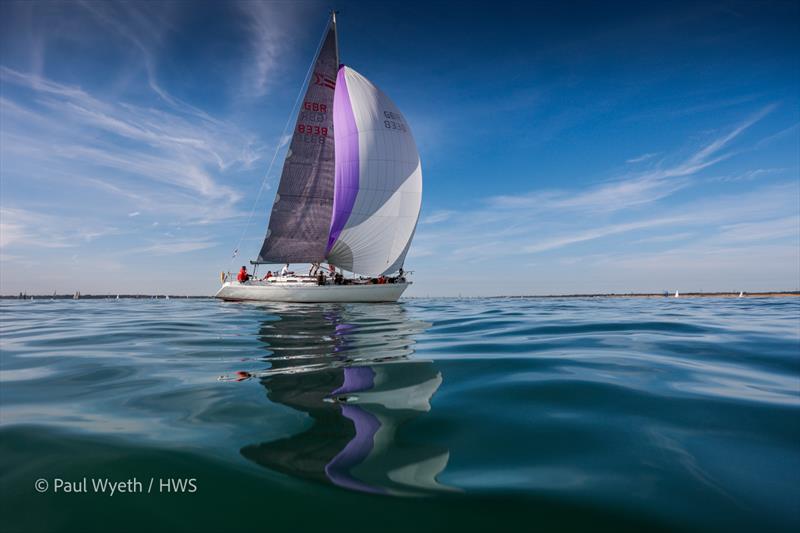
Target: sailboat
[350,194]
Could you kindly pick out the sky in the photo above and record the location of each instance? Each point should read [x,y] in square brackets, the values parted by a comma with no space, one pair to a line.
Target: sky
[566,147]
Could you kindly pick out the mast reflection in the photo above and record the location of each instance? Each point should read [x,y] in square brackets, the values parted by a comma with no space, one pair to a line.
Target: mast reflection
[349,369]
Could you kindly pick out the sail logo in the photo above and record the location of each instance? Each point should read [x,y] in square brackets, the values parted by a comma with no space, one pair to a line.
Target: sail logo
[324,81]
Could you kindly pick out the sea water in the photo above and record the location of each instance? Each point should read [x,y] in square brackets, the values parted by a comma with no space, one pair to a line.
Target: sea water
[435,414]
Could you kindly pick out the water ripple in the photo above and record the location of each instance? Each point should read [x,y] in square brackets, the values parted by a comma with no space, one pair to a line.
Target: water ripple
[637,413]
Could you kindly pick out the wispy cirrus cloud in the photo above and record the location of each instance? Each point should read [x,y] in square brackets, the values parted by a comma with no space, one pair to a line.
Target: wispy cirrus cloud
[748,175]
[665,238]
[784,133]
[694,244]
[160,146]
[559,221]
[718,215]
[146,30]
[36,229]
[266,27]
[641,158]
[636,189]
[597,233]
[703,158]
[116,165]
[437,217]
[172,247]
[762,230]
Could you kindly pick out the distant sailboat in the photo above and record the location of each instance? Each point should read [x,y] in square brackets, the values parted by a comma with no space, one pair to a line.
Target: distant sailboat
[350,194]
[677,294]
[741,294]
[77,295]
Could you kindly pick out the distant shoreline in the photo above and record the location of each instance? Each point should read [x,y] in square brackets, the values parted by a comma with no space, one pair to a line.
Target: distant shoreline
[766,294]
[101,297]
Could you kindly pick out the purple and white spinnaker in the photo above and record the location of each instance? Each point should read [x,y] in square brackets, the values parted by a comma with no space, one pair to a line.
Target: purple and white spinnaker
[378,181]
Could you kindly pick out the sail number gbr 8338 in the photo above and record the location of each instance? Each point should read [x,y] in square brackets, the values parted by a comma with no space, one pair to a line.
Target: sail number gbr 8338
[313,112]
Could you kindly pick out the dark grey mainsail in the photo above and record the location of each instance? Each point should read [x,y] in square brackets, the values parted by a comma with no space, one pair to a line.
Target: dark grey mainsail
[301,215]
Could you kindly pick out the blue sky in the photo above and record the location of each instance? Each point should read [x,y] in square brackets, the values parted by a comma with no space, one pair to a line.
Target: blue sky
[566,147]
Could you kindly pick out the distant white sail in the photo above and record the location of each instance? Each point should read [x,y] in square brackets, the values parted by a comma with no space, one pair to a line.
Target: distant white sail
[378,181]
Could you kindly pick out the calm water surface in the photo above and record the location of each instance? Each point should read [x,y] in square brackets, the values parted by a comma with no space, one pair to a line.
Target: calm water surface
[491,414]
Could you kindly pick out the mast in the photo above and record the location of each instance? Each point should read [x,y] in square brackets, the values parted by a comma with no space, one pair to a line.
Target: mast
[335,37]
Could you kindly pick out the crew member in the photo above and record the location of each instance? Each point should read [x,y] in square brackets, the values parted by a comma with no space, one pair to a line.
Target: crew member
[269,275]
[242,276]
[285,270]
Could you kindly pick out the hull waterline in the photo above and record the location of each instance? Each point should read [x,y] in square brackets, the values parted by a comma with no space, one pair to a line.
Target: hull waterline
[308,293]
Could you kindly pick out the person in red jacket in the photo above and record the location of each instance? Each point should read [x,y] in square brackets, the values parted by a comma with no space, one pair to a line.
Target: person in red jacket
[242,276]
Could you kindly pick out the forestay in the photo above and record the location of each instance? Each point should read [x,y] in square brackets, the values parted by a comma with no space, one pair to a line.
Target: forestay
[378,180]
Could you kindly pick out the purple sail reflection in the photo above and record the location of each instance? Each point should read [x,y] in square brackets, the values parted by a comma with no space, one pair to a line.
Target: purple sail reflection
[359,378]
[356,378]
[345,136]
[358,449]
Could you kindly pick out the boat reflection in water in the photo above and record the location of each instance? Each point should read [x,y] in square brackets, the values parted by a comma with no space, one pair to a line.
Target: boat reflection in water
[349,368]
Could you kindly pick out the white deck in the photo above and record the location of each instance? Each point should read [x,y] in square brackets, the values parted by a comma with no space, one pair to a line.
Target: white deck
[309,292]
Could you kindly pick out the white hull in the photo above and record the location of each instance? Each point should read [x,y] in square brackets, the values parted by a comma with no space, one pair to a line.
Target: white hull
[310,293]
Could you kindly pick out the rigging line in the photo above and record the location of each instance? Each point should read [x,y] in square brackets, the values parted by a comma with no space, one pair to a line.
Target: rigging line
[279,145]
